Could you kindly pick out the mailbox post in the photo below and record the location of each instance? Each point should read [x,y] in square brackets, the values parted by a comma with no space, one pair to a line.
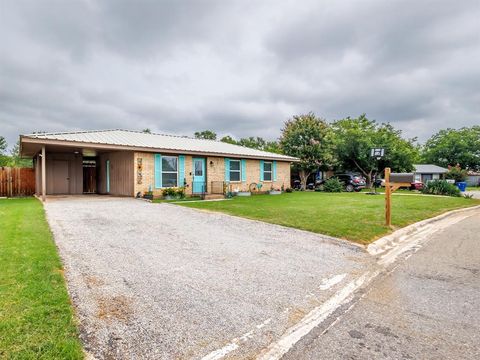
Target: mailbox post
[388,199]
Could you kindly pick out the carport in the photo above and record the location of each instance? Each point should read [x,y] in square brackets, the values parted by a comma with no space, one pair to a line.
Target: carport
[70,168]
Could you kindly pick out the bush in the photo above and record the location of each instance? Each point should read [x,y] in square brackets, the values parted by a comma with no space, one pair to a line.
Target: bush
[169,192]
[288,190]
[333,185]
[441,187]
[180,192]
[457,174]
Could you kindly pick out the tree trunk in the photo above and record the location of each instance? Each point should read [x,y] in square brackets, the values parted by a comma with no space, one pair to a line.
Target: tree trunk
[303,179]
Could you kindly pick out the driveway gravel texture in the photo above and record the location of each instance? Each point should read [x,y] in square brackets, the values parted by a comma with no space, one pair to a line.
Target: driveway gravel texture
[163,281]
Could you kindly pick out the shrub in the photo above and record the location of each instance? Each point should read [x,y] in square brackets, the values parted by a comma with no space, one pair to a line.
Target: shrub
[441,187]
[169,192]
[180,192]
[457,174]
[333,185]
[288,190]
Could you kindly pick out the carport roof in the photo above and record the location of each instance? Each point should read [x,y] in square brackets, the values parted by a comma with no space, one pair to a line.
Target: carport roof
[136,140]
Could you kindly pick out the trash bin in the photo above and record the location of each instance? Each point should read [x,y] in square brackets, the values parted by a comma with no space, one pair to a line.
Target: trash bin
[462,186]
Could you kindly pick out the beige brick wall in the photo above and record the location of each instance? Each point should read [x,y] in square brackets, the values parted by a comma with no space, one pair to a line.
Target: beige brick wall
[215,168]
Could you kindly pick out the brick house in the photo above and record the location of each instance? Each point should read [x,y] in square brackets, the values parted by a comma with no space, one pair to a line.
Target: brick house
[130,163]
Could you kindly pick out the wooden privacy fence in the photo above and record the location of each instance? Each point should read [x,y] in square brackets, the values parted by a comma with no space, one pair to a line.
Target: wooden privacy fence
[17,181]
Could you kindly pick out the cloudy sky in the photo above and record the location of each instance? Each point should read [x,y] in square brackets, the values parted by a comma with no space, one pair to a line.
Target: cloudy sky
[237,67]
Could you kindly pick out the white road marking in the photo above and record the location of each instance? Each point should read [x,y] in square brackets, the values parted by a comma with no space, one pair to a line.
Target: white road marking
[314,318]
[220,353]
[328,283]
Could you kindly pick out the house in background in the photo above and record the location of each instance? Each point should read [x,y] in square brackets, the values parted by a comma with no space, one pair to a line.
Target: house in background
[473,178]
[426,172]
[128,163]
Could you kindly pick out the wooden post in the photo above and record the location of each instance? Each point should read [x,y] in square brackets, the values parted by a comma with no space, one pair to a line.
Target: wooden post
[388,198]
[44,174]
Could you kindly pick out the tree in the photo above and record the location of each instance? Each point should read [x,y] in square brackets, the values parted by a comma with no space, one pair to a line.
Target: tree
[307,138]
[228,139]
[206,134]
[16,160]
[3,145]
[147,131]
[454,147]
[354,138]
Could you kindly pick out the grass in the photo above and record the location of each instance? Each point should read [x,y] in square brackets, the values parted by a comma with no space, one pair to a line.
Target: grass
[356,217]
[36,317]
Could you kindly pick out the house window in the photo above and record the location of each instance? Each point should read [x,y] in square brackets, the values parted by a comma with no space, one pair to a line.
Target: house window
[169,171]
[234,170]
[267,171]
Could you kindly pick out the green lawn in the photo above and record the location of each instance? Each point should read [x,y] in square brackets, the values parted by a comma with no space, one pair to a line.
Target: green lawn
[358,217]
[36,317]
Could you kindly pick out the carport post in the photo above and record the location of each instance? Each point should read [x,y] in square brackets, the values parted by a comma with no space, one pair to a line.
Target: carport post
[44,175]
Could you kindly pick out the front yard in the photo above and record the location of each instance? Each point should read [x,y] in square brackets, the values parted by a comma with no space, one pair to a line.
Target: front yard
[36,319]
[358,217]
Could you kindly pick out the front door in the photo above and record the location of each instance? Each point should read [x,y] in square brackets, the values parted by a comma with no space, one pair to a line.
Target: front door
[199,185]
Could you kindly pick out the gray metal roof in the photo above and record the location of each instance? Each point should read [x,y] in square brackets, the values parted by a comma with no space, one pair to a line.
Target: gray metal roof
[429,169]
[158,142]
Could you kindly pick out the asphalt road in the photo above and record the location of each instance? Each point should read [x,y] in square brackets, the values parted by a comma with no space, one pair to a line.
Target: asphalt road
[426,307]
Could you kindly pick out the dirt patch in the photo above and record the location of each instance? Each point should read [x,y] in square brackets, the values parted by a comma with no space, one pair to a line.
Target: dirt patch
[115,308]
[93,281]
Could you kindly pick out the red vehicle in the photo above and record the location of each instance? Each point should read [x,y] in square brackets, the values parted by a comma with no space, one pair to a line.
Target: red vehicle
[416,185]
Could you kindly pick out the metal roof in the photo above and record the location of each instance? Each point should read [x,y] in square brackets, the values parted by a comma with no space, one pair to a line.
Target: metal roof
[156,142]
[429,169]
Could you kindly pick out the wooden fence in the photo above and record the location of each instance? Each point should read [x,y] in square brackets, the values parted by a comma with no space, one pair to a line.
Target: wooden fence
[17,181]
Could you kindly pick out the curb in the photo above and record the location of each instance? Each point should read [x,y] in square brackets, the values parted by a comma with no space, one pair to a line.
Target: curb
[392,240]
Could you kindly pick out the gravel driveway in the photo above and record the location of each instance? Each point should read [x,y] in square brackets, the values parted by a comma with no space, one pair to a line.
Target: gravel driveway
[163,281]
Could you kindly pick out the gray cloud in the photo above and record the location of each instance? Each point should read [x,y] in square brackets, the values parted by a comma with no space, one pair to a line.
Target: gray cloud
[240,68]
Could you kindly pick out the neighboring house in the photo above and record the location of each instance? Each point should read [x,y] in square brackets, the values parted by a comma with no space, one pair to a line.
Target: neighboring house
[426,172]
[473,178]
[128,163]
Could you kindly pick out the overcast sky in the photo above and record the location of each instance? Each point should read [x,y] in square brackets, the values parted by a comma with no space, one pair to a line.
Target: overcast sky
[237,67]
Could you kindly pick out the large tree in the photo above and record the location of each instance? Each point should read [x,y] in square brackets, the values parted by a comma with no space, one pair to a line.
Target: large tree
[206,134]
[16,160]
[355,137]
[307,138]
[254,143]
[454,147]
[4,159]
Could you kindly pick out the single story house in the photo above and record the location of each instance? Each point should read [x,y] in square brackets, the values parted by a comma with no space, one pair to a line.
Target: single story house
[426,172]
[473,178]
[129,163]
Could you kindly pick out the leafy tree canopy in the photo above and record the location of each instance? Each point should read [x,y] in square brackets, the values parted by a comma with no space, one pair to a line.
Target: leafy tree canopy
[206,134]
[355,137]
[307,137]
[454,147]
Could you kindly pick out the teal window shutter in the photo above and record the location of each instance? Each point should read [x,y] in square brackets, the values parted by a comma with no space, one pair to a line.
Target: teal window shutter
[181,170]
[244,170]
[158,171]
[227,169]
[261,170]
[274,170]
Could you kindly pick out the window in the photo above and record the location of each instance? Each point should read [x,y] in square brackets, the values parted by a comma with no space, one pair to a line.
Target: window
[234,170]
[267,171]
[169,171]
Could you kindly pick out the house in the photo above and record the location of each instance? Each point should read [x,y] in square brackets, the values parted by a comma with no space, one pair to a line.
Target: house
[130,163]
[426,172]
[473,178]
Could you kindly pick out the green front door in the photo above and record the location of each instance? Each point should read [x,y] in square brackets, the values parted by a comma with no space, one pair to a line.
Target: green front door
[199,184]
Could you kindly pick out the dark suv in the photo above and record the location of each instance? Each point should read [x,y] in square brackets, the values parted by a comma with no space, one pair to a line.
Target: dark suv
[351,182]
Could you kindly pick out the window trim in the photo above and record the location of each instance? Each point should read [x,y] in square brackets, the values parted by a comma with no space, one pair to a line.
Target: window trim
[239,171]
[269,172]
[169,172]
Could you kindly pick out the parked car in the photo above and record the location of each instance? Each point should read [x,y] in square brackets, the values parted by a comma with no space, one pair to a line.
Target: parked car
[351,182]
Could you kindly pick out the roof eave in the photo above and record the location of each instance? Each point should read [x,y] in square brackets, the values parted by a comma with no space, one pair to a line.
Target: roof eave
[72,143]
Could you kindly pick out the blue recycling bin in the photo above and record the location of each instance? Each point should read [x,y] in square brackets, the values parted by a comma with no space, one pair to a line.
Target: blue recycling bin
[462,186]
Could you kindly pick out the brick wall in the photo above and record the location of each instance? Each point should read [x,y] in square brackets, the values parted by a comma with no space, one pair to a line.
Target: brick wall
[215,168]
